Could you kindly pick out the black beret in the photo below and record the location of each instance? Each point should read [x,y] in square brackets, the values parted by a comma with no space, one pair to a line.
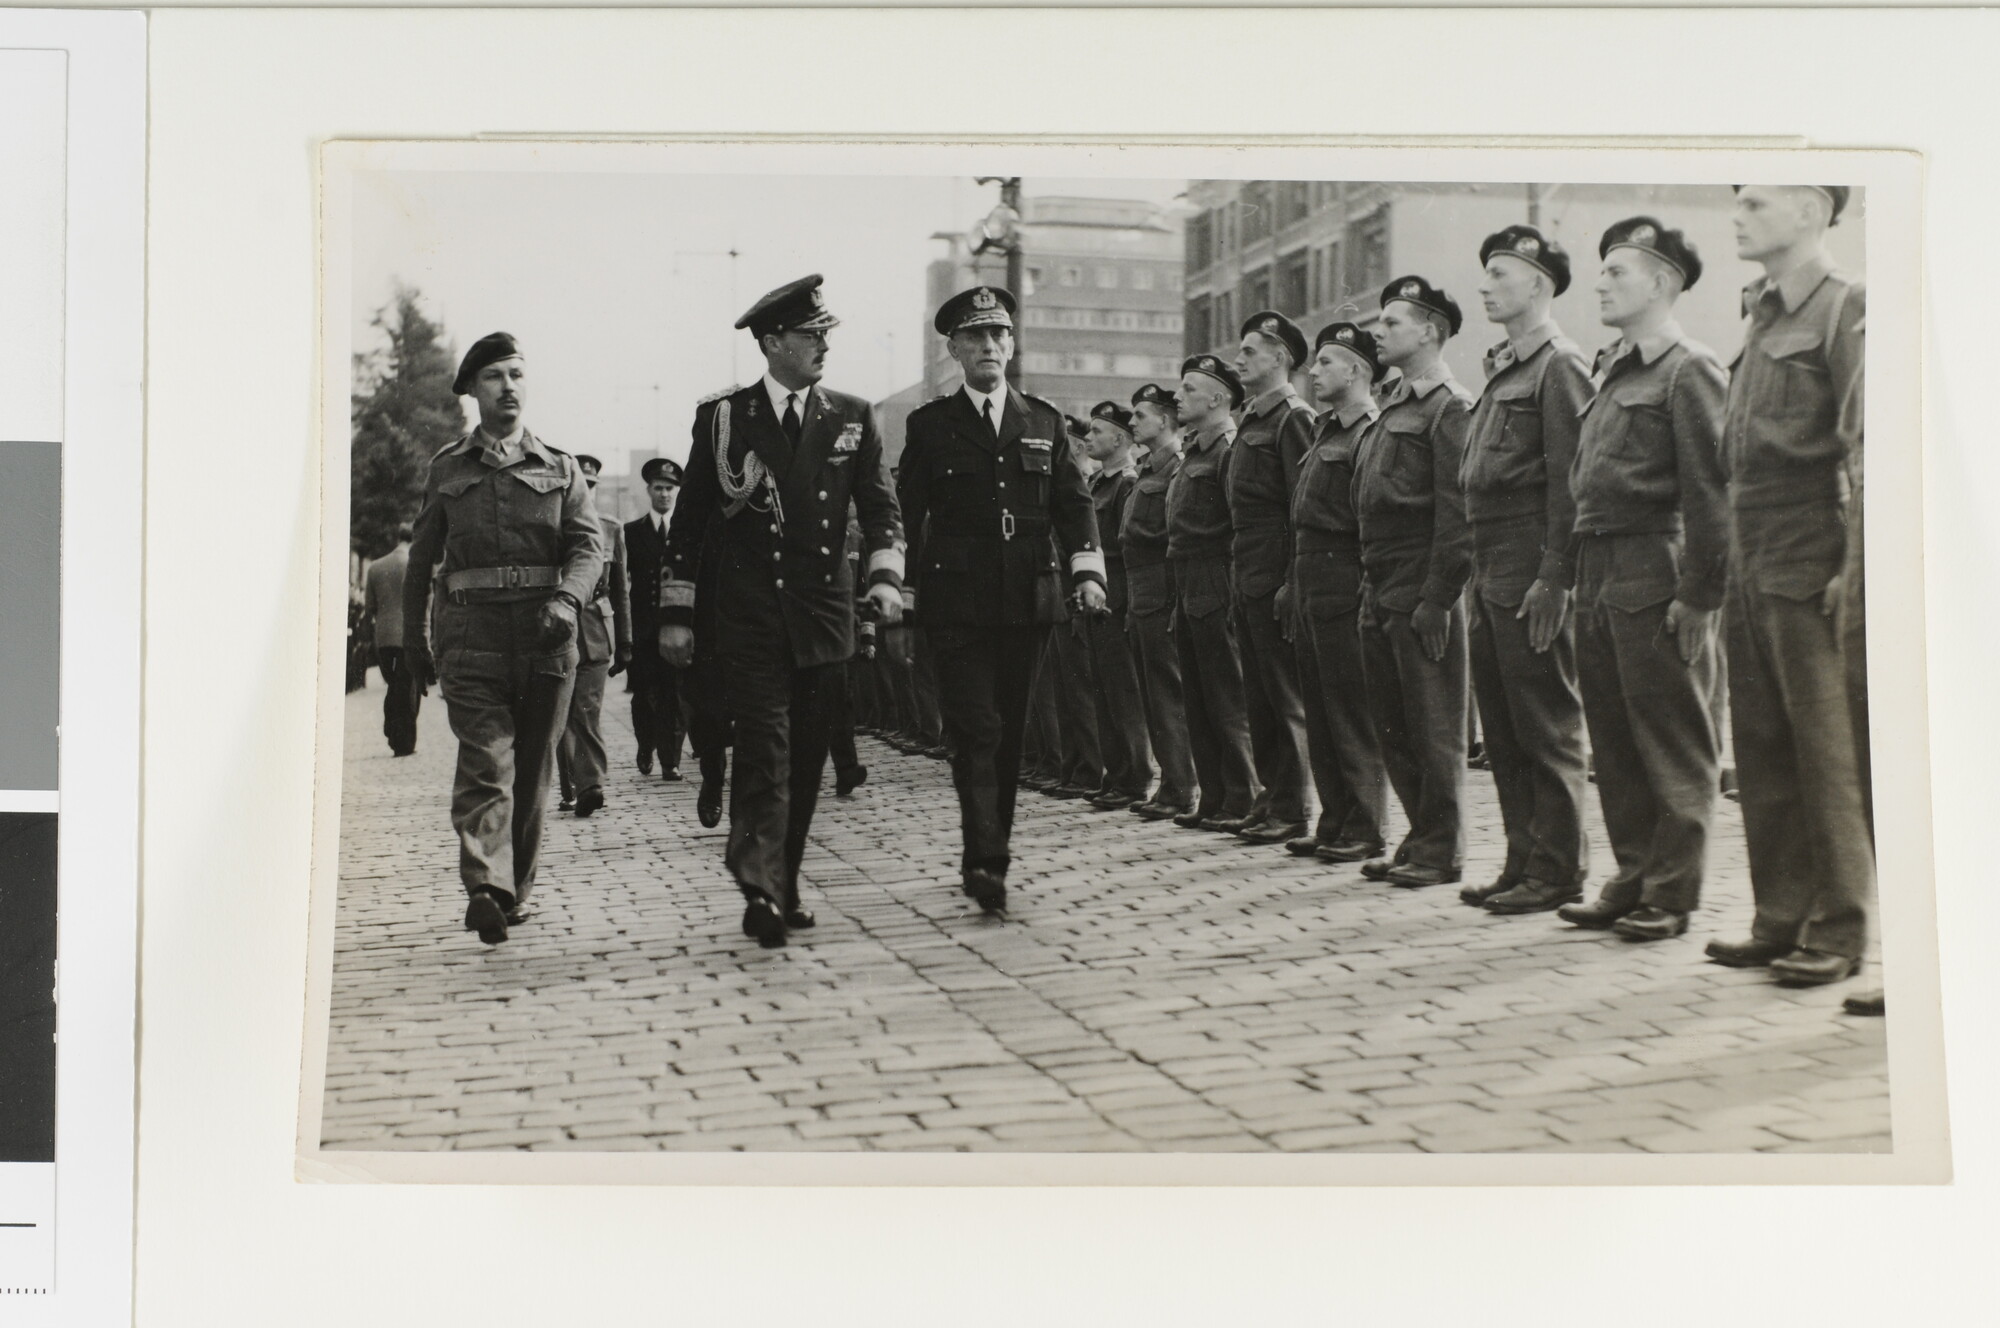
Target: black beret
[1112,413]
[1358,340]
[1531,247]
[659,468]
[982,306]
[1417,291]
[796,306]
[1837,194]
[1216,369]
[489,349]
[1648,235]
[1155,395]
[1271,323]
[1078,429]
[586,459]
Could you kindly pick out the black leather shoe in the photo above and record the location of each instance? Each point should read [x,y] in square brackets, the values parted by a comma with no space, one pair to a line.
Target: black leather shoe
[672,774]
[762,920]
[1272,832]
[1476,757]
[986,888]
[645,763]
[1224,823]
[565,805]
[1476,895]
[1746,954]
[516,915]
[1865,1002]
[1598,915]
[1647,923]
[1305,846]
[586,803]
[1156,811]
[1111,800]
[1413,876]
[937,751]
[799,919]
[1378,869]
[1068,792]
[1813,968]
[1348,850]
[1193,819]
[846,781]
[1031,780]
[1533,896]
[486,914]
[708,803]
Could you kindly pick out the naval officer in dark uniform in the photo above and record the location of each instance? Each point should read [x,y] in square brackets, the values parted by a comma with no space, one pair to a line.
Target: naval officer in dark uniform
[985,478]
[775,465]
[508,523]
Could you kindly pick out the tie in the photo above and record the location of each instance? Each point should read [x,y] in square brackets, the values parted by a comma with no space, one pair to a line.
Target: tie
[992,425]
[791,420]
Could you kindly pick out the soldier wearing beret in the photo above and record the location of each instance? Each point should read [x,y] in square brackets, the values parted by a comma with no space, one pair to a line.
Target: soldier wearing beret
[1272,437]
[1519,447]
[1325,588]
[1121,715]
[775,465]
[1199,539]
[1416,555]
[1142,540]
[507,520]
[986,478]
[656,704]
[1651,557]
[604,648]
[1787,436]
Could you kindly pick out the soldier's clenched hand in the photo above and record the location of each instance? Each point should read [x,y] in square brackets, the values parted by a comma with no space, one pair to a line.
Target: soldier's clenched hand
[417,662]
[1433,628]
[888,602]
[1692,629]
[1090,596]
[1544,606]
[557,622]
[677,645]
[621,658]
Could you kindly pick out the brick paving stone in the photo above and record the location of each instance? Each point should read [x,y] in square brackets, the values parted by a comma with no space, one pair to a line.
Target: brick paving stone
[1151,989]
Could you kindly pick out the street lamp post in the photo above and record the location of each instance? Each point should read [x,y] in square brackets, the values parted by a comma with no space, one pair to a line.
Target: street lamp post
[1002,230]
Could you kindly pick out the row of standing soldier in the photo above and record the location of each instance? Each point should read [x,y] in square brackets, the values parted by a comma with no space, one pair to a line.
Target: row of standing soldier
[1297,600]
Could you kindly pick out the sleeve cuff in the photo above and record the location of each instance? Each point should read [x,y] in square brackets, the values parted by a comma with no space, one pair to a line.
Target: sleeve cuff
[1703,595]
[886,576]
[1555,570]
[886,560]
[677,595]
[1088,563]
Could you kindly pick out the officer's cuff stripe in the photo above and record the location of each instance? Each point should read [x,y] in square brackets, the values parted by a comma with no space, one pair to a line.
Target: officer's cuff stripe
[677,595]
[909,600]
[1090,560]
[886,560]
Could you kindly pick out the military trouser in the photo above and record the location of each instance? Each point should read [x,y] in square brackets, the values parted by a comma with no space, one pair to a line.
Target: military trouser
[1276,713]
[1532,716]
[1652,720]
[1121,714]
[1159,669]
[1347,767]
[924,689]
[507,716]
[984,674]
[709,728]
[1812,865]
[1076,706]
[580,758]
[1418,708]
[657,720]
[404,699]
[1041,739]
[1853,627]
[778,717]
[840,687]
[1218,721]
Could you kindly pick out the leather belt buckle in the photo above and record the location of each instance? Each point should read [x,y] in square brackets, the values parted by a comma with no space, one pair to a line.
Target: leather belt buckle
[515,577]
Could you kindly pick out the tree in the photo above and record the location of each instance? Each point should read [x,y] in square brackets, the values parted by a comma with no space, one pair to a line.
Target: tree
[404,410]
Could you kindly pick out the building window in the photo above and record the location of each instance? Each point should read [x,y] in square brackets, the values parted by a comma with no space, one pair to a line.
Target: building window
[1293,292]
[1294,201]
[1201,240]
[1030,279]
[1255,202]
[1367,252]
[1329,274]
[1256,295]
[1142,278]
[1107,278]
[1175,282]
[1194,337]
[1070,276]
[1225,319]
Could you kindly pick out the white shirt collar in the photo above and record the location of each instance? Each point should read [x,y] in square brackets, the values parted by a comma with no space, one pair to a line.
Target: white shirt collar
[778,392]
[998,396]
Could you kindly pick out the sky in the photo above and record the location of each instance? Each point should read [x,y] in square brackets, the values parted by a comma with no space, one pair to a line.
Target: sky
[621,292]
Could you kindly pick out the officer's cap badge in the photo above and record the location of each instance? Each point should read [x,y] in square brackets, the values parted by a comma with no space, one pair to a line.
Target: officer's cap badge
[983,299]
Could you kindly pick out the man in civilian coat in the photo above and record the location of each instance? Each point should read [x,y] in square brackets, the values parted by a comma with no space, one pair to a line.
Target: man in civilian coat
[774,466]
[382,597]
[986,477]
[656,708]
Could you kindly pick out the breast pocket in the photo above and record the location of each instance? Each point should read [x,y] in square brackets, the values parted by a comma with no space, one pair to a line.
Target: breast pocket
[537,499]
[1406,463]
[1645,424]
[1796,365]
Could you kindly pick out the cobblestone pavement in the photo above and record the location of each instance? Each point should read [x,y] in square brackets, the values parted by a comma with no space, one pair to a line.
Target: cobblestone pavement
[1155,988]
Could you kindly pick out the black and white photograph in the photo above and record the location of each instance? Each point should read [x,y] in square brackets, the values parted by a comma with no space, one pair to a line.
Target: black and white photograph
[987,651]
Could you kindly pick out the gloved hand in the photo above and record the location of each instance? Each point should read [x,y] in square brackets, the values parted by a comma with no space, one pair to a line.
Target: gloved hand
[556,623]
[677,645]
[888,602]
[621,658]
[1091,596]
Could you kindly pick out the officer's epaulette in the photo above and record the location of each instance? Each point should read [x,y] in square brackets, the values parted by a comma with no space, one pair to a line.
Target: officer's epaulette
[717,396]
[454,443]
[1043,401]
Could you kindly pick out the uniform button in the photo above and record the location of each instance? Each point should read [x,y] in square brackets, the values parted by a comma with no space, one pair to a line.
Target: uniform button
[774,530]
[781,583]
[822,495]
[822,548]
[822,523]
[776,554]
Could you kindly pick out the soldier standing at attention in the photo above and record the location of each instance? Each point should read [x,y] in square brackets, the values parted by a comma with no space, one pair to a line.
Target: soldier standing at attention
[1150,600]
[1069,676]
[511,522]
[1651,560]
[1121,715]
[656,706]
[1198,544]
[985,478]
[1325,594]
[604,648]
[1784,447]
[1519,448]
[774,466]
[1272,437]
[1416,555]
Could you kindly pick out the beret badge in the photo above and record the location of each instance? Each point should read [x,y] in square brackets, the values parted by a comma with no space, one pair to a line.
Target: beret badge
[1410,290]
[1528,245]
[1643,235]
